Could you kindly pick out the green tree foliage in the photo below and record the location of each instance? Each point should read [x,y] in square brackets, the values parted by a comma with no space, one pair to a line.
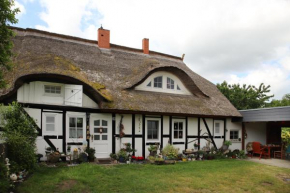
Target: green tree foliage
[245,97]
[19,133]
[285,135]
[7,17]
[279,103]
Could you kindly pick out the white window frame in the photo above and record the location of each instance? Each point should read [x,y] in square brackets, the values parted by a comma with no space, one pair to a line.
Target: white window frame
[76,115]
[221,127]
[45,115]
[158,132]
[52,94]
[101,126]
[183,131]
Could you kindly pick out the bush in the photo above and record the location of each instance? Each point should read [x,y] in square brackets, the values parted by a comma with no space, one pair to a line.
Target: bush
[170,151]
[91,153]
[19,133]
[4,181]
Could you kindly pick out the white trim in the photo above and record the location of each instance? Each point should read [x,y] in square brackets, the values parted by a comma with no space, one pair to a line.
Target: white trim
[183,131]
[44,131]
[77,115]
[221,128]
[159,129]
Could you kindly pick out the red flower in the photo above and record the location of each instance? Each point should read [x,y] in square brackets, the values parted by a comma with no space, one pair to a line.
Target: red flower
[133,157]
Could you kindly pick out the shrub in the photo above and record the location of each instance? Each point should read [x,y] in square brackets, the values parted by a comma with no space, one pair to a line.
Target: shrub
[91,153]
[170,151]
[19,133]
[4,181]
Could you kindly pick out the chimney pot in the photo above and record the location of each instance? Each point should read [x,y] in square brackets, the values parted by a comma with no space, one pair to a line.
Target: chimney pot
[103,38]
[145,46]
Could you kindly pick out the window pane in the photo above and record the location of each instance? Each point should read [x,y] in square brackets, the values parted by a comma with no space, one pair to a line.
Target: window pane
[97,123]
[158,82]
[104,123]
[49,127]
[175,125]
[180,134]
[178,88]
[80,122]
[170,83]
[180,126]
[72,122]
[149,84]
[104,137]
[80,133]
[105,130]
[152,129]
[96,130]
[175,134]
[50,119]
[96,137]
[72,133]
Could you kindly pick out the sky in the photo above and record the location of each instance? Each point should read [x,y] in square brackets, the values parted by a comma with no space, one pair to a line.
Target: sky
[238,41]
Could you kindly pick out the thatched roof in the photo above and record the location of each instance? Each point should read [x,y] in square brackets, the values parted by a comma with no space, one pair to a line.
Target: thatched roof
[110,75]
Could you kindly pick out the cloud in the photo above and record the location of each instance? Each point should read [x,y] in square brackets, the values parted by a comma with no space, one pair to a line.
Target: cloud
[221,39]
[21,7]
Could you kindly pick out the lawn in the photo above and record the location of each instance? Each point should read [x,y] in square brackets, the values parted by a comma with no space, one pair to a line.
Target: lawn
[197,176]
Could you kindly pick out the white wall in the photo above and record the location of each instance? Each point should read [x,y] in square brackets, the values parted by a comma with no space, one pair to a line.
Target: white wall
[33,92]
[192,126]
[256,132]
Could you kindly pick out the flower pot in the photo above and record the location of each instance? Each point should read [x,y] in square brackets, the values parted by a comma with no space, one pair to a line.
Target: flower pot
[13,177]
[122,160]
[153,153]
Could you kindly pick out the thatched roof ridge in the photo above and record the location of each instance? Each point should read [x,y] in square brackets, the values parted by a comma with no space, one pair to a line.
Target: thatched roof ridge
[113,74]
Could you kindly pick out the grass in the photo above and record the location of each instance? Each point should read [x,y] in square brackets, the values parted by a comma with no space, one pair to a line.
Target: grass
[198,176]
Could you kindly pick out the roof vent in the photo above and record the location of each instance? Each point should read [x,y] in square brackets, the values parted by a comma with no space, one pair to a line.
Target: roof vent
[145,46]
[103,38]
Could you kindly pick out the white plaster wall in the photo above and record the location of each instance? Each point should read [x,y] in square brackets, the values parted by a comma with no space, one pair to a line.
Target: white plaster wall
[180,147]
[35,114]
[33,92]
[165,141]
[203,128]
[192,126]
[165,125]
[219,142]
[127,122]
[256,132]
[138,147]
[138,124]
[234,127]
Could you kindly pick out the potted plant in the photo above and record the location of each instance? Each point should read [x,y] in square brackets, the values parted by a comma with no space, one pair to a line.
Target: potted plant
[184,158]
[128,149]
[169,152]
[196,145]
[159,161]
[83,157]
[226,145]
[122,156]
[91,154]
[153,150]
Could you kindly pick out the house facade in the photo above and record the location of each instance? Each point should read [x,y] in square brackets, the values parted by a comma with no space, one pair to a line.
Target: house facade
[84,92]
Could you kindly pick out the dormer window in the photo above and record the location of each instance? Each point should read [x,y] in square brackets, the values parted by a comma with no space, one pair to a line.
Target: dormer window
[163,82]
[170,83]
[158,82]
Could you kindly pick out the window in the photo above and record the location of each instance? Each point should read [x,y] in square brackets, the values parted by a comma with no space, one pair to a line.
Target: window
[51,89]
[152,128]
[158,82]
[234,135]
[100,130]
[178,130]
[178,88]
[217,128]
[170,83]
[50,123]
[75,127]
[149,84]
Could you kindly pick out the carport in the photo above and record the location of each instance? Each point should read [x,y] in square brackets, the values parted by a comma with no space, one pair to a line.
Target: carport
[264,125]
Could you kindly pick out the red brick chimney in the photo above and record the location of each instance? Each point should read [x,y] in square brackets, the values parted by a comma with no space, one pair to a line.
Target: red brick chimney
[145,46]
[103,38]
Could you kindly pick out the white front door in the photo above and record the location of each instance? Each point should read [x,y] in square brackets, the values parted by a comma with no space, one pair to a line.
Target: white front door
[101,139]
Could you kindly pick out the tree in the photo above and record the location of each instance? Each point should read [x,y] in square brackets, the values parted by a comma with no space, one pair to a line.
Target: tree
[19,133]
[7,17]
[245,97]
[279,103]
